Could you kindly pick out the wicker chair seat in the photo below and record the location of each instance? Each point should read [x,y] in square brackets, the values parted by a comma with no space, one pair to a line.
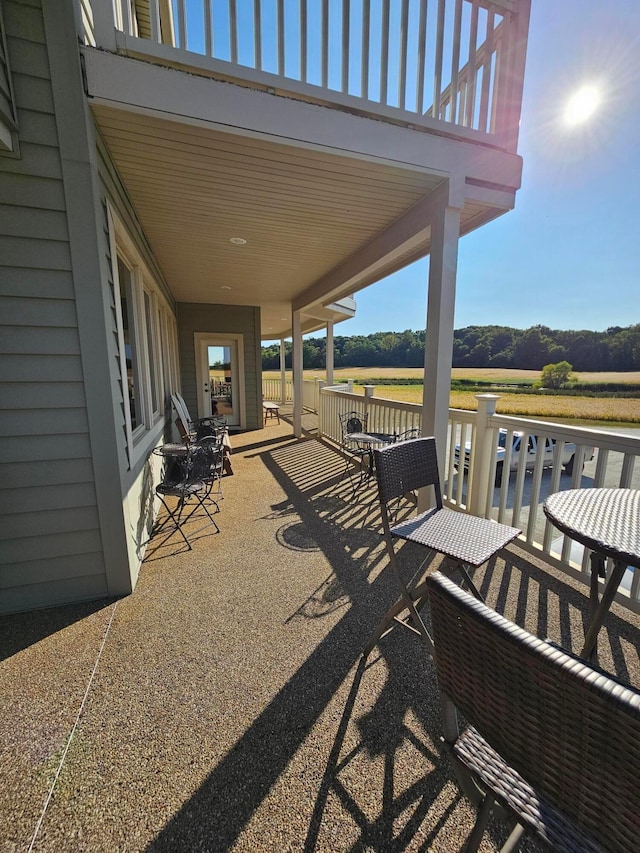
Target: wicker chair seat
[405,467]
[561,833]
[465,538]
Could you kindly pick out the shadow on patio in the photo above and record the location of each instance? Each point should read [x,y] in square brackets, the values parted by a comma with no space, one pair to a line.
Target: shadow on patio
[229,708]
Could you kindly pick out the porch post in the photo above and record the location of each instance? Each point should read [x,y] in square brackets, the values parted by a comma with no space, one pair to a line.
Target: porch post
[329,353]
[296,364]
[438,353]
[283,373]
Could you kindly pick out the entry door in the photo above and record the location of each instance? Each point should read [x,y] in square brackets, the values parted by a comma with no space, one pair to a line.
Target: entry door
[220,375]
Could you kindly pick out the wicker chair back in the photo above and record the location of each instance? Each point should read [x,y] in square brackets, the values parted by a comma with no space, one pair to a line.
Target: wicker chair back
[570,731]
[405,467]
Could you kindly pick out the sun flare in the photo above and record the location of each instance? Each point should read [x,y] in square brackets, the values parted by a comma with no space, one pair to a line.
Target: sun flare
[582,105]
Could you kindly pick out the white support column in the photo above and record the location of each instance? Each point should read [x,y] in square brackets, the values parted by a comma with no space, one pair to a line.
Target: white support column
[283,373]
[438,356]
[296,364]
[329,353]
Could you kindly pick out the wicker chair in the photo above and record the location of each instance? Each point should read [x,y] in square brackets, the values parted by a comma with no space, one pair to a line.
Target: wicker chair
[550,738]
[467,540]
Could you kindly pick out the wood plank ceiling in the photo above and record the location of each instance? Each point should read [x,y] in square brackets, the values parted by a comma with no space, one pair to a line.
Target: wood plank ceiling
[301,211]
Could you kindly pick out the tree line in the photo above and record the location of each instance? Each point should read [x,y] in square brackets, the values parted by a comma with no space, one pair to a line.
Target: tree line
[616,349]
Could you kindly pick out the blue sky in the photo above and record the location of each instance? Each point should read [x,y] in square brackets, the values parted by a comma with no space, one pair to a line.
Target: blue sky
[568,255]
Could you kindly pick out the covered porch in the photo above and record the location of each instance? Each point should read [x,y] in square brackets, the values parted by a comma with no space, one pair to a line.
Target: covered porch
[223,705]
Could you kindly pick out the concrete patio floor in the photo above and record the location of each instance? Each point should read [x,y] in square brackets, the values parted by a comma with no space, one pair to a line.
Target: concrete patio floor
[223,706]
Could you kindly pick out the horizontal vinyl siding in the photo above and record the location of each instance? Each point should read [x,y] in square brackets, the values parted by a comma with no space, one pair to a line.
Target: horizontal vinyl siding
[50,543]
[51,592]
[221,320]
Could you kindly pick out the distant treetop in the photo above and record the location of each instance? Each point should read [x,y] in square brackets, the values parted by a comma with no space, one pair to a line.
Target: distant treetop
[617,349]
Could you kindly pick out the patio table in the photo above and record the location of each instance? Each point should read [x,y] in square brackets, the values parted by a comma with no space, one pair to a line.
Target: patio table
[607,521]
[369,440]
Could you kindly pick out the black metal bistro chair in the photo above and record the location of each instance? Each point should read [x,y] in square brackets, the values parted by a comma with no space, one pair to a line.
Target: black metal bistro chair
[549,739]
[187,477]
[469,541]
[192,430]
[351,424]
[214,443]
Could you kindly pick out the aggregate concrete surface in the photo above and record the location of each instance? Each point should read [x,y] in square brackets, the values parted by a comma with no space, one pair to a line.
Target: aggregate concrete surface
[224,706]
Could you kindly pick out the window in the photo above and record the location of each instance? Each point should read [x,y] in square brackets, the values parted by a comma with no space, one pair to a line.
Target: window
[127,309]
[155,365]
[146,341]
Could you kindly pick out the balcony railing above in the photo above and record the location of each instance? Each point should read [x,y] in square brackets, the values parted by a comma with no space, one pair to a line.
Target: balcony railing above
[455,66]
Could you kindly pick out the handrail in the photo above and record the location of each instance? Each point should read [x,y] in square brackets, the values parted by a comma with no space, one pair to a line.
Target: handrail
[445,63]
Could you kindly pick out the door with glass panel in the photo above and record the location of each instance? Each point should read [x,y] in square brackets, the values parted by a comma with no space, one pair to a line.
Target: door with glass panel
[219,376]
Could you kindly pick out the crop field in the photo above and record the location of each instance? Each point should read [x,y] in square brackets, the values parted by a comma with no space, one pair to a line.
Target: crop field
[482,374]
[592,410]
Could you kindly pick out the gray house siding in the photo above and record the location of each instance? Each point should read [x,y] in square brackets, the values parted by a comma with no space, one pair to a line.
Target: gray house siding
[60,502]
[49,528]
[222,319]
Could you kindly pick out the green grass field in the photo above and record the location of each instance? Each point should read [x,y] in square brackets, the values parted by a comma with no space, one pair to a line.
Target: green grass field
[596,411]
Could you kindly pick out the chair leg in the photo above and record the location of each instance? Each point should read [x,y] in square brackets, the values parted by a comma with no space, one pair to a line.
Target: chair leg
[464,571]
[177,521]
[480,825]
[201,501]
[410,600]
[390,619]
[512,844]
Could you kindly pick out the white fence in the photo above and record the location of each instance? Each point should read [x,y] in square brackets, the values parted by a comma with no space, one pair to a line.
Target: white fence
[459,62]
[514,496]
[272,390]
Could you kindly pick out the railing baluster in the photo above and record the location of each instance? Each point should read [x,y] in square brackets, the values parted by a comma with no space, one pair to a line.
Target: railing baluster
[346,15]
[486,73]
[601,467]
[437,74]
[535,489]
[384,51]
[422,48]
[455,61]
[366,31]
[471,72]
[127,18]
[635,585]
[182,25]
[233,31]
[402,71]
[280,8]
[324,44]
[154,15]
[520,474]
[627,470]
[304,71]
[554,486]
[257,34]
[208,28]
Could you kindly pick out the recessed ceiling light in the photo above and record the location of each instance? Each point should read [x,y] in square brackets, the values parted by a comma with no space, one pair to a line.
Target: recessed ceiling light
[238,241]
[224,287]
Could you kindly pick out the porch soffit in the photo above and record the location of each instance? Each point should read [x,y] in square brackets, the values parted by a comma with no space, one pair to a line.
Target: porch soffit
[303,212]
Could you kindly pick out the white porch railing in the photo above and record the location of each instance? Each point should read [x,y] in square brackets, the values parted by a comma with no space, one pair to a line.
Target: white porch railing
[518,497]
[457,62]
[272,390]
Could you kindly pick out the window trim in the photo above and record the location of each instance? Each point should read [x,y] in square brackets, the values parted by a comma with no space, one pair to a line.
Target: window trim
[147,332]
